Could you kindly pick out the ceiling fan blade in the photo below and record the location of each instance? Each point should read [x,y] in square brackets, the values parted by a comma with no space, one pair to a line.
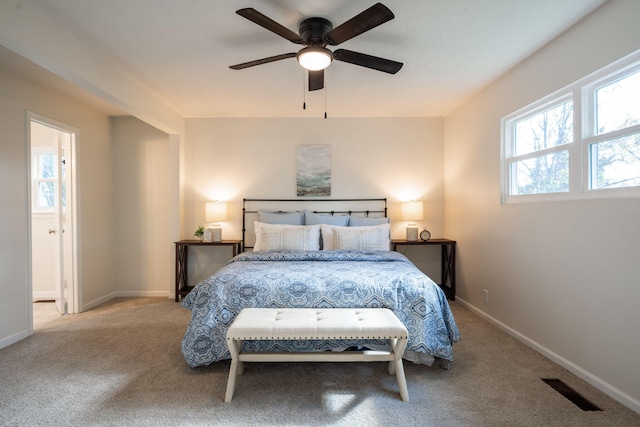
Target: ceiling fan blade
[263,61]
[254,16]
[364,60]
[370,18]
[316,80]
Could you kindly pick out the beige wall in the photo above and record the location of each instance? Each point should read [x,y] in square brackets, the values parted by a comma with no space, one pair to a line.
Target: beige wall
[94,199]
[563,276]
[141,198]
[229,159]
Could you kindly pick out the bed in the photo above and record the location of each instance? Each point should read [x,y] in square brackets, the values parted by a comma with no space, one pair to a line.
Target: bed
[316,265]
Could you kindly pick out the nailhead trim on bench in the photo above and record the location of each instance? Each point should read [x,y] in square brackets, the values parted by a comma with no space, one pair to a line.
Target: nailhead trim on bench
[331,337]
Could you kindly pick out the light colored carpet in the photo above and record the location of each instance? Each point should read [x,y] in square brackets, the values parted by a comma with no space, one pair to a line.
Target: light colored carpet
[120,364]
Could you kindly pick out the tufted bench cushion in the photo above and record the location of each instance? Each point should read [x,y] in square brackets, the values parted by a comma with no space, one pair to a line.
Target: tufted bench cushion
[317,324]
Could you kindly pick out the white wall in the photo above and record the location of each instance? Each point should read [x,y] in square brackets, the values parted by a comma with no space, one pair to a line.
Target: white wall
[141,197]
[94,194]
[563,275]
[229,159]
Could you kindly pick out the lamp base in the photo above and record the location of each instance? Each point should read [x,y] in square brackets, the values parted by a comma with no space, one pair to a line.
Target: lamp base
[216,234]
[412,233]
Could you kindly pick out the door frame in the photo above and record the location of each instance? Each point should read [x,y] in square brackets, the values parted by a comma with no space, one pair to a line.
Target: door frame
[73,295]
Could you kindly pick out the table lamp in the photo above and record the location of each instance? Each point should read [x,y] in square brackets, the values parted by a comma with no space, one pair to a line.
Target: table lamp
[411,211]
[215,212]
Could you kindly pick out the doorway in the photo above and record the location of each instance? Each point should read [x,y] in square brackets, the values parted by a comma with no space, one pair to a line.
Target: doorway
[53,215]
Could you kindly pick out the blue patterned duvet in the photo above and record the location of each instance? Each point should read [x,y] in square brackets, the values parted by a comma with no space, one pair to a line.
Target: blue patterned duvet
[317,279]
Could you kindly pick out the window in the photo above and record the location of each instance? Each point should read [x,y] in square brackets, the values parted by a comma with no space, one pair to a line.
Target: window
[45,179]
[548,151]
[540,161]
[615,152]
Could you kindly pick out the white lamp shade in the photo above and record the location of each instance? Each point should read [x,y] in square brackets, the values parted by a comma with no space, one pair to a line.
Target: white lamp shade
[215,211]
[411,211]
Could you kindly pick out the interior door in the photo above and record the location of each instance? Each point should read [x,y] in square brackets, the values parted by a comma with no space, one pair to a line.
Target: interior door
[59,279]
[67,224]
[52,196]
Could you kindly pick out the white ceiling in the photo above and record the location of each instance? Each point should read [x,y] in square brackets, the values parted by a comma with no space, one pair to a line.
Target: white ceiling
[181,51]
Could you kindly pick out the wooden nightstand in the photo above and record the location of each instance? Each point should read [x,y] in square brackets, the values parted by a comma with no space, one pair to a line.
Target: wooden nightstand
[182,254]
[448,261]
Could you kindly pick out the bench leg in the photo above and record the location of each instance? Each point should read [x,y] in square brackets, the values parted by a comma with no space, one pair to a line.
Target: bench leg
[399,369]
[236,365]
[402,382]
[392,365]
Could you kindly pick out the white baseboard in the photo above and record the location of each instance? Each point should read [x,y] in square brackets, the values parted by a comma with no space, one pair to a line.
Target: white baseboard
[97,302]
[608,389]
[12,339]
[131,294]
[125,294]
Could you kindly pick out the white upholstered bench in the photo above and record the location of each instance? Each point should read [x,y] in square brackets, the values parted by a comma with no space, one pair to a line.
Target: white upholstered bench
[317,324]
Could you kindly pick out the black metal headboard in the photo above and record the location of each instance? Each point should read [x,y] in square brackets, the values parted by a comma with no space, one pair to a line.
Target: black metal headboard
[359,207]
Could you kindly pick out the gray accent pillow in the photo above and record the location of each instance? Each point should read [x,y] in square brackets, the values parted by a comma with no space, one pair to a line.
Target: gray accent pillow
[357,221]
[290,218]
[312,218]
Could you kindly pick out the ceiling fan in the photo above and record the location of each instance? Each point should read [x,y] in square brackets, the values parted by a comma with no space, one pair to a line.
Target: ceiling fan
[316,34]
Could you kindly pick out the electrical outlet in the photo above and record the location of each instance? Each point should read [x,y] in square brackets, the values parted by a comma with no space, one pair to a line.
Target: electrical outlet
[485,296]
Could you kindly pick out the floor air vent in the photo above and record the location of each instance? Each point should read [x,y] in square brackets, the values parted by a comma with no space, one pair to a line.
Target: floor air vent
[571,394]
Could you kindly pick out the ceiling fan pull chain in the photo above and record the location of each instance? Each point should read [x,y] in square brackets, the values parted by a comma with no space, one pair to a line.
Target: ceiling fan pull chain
[325,102]
[304,92]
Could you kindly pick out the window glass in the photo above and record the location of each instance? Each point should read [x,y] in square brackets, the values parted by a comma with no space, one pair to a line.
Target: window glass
[64,196]
[46,194]
[45,172]
[616,163]
[618,104]
[550,128]
[542,174]
[46,165]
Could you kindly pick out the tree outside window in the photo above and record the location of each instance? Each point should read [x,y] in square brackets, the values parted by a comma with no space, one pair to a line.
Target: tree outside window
[544,144]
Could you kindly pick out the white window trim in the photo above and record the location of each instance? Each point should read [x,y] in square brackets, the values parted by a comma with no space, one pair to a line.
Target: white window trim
[581,92]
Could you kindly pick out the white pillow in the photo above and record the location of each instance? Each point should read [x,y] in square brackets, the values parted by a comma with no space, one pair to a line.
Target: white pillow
[257,228]
[372,238]
[280,237]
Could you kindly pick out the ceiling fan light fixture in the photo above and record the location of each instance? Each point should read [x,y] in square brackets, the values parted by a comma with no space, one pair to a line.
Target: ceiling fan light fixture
[315,58]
